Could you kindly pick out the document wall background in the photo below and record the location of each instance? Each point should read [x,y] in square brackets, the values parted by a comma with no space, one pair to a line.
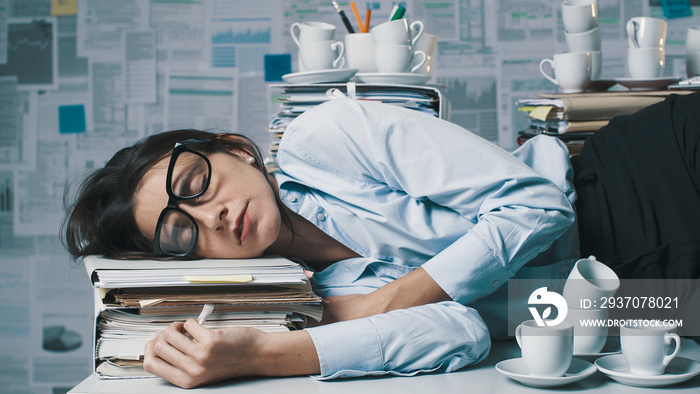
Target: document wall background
[79,79]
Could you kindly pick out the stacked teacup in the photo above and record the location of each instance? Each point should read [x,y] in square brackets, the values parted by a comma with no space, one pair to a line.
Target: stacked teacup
[394,47]
[580,19]
[317,48]
[589,284]
[646,56]
[692,51]
[574,70]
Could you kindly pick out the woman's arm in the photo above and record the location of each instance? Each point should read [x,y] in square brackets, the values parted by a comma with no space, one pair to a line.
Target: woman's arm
[413,289]
[190,355]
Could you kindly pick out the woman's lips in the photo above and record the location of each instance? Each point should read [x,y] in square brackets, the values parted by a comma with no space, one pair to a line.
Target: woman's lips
[243,227]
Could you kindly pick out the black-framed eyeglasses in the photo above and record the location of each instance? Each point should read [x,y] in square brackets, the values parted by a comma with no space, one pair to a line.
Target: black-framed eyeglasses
[187,178]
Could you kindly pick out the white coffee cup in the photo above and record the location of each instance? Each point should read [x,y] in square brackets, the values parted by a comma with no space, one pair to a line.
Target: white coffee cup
[398,58]
[646,63]
[589,281]
[426,43]
[646,32]
[583,42]
[308,32]
[692,63]
[547,351]
[572,71]
[692,40]
[646,347]
[322,55]
[359,52]
[589,336]
[397,32]
[579,16]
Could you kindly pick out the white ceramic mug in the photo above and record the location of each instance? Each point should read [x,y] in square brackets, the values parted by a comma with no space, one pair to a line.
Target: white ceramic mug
[572,71]
[322,55]
[646,32]
[589,337]
[398,58]
[583,42]
[426,43]
[589,280]
[692,40]
[579,15]
[308,32]
[397,32]
[646,63]
[692,63]
[646,347]
[359,52]
[547,351]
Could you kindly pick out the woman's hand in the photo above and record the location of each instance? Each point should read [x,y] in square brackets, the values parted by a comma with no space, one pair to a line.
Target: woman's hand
[190,355]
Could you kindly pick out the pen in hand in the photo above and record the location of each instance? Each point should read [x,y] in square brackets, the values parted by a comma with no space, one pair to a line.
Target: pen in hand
[206,312]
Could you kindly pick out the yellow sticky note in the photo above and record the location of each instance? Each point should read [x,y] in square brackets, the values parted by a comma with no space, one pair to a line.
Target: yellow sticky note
[64,7]
[219,278]
[541,112]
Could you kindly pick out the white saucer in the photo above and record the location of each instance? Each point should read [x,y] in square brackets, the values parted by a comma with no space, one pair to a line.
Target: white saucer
[394,78]
[321,76]
[647,84]
[515,369]
[678,371]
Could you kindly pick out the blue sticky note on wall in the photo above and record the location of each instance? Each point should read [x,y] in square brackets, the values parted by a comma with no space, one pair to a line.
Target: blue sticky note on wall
[276,66]
[71,119]
[676,8]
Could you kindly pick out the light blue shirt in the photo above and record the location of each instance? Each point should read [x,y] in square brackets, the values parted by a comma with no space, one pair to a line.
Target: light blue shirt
[406,190]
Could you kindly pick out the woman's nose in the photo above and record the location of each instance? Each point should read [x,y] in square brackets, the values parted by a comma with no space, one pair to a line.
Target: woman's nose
[212,216]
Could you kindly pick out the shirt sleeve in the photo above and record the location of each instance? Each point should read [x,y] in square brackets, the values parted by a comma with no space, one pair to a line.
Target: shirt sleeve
[436,337]
[516,213]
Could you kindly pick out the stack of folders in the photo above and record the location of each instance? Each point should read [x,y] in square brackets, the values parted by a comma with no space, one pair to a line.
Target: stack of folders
[573,117]
[295,99]
[136,299]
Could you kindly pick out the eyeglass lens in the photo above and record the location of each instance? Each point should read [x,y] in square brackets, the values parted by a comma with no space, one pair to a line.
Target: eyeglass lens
[190,177]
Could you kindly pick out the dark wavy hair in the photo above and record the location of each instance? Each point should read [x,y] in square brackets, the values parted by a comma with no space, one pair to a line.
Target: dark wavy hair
[100,220]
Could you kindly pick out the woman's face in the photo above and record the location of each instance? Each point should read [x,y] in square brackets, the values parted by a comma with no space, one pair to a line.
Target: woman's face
[237,216]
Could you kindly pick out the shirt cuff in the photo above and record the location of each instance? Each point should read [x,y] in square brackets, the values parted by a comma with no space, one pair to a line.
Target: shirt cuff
[467,270]
[341,357]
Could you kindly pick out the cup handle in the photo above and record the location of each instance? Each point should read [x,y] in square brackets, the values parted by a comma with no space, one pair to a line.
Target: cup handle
[294,36]
[551,64]
[420,64]
[418,27]
[339,61]
[667,339]
[632,28]
[518,335]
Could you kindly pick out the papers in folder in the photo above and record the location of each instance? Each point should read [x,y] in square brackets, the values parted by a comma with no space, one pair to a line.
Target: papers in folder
[109,273]
[136,299]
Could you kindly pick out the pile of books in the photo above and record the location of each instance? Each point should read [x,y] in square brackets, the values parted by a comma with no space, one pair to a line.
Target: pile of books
[295,99]
[136,299]
[575,116]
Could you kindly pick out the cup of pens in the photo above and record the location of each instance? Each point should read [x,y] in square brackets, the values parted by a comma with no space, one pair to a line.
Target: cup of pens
[359,45]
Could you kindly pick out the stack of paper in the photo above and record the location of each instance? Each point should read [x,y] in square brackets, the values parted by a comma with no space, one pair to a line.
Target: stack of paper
[297,99]
[136,299]
[573,117]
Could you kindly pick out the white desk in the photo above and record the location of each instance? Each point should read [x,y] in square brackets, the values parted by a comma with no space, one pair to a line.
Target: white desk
[482,378]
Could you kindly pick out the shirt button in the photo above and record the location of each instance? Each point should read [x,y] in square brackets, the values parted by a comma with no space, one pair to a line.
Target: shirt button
[292,198]
[321,217]
[495,283]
